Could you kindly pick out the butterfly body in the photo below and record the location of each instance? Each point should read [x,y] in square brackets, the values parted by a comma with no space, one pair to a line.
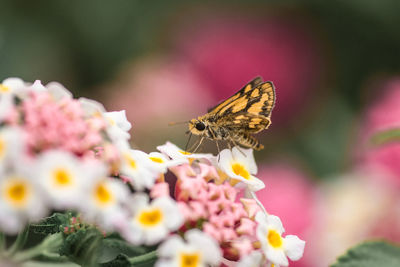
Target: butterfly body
[235,119]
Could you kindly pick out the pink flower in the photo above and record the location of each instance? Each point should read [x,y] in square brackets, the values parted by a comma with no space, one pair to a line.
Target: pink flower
[247,226]
[383,115]
[159,190]
[216,207]
[229,50]
[57,124]
[384,159]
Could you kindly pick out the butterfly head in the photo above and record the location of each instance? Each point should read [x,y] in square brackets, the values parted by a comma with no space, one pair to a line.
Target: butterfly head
[197,127]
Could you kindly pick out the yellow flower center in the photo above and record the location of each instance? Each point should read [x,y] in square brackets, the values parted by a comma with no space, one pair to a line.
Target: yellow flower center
[131,162]
[2,147]
[4,89]
[103,194]
[62,177]
[112,122]
[240,170]
[184,152]
[157,160]
[150,217]
[17,192]
[189,260]
[274,239]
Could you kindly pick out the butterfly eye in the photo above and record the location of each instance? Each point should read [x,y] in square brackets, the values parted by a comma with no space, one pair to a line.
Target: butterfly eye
[200,126]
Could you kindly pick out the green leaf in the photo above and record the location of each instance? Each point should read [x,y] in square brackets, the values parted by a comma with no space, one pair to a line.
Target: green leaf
[387,136]
[83,247]
[111,247]
[52,224]
[48,264]
[370,254]
[120,261]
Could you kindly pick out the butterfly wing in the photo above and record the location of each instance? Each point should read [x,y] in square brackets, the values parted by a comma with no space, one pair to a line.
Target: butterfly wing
[248,87]
[245,122]
[261,100]
[257,102]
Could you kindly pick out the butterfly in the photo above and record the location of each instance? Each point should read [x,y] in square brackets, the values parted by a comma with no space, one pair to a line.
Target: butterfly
[235,119]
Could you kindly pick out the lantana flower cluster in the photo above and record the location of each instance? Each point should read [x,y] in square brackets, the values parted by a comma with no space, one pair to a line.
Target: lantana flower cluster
[61,153]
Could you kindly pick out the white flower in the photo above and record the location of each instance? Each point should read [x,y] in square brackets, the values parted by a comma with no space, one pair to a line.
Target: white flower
[137,166]
[58,91]
[254,259]
[64,178]
[162,162]
[275,247]
[13,86]
[11,146]
[20,199]
[91,107]
[103,203]
[6,105]
[240,167]
[176,153]
[152,222]
[119,126]
[8,89]
[199,250]
[37,86]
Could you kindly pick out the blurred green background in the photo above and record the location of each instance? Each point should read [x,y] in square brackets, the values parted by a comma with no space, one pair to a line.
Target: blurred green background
[86,45]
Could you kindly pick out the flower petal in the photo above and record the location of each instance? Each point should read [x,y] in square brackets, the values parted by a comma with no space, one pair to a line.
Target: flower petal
[248,157]
[294,247]
[170,246]
[274,222]
[277,256]
[205,243]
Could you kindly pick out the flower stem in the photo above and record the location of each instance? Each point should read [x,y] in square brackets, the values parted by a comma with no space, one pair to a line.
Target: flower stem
[19,243]
[2,242]
[46,247]
[142,259]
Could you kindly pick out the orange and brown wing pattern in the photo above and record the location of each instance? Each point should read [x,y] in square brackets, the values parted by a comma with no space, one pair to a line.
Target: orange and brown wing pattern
[262,100]
[247,88]
[245,122]
[259,101]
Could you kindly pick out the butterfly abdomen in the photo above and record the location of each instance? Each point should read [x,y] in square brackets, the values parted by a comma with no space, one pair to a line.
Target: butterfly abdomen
[248,140]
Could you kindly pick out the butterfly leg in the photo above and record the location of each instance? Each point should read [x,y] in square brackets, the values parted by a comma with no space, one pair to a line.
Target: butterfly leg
[187,143]
[219,151]
[216,142]
[235,144]
[201,141]
[229,145]
[238,147]
[193,146]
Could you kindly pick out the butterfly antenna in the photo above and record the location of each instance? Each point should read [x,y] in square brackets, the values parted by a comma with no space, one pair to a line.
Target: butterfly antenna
[175,123]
